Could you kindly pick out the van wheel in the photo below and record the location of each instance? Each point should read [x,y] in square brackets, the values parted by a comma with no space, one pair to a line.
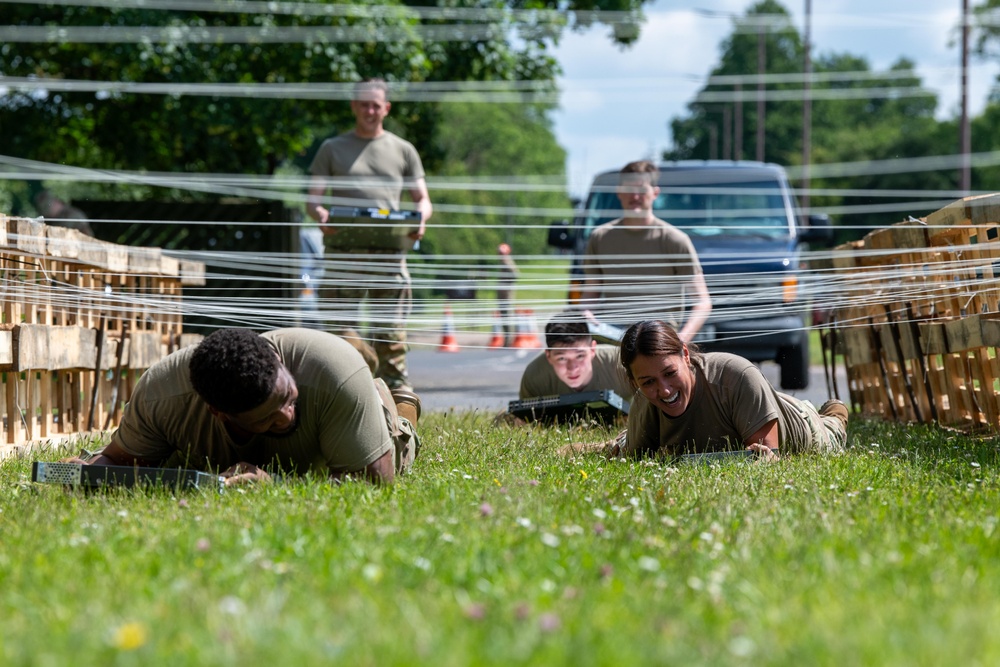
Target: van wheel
[794,361]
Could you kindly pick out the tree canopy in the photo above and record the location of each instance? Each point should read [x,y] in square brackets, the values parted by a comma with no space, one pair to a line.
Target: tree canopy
[255,128]
[858,115]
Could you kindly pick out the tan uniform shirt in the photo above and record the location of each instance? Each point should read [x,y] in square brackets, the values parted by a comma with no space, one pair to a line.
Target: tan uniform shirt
[540,379]
[341,424]
[654,285]
[732,400]
[377,169]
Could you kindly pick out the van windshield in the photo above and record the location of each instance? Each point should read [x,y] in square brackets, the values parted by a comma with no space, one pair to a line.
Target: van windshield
[705,209]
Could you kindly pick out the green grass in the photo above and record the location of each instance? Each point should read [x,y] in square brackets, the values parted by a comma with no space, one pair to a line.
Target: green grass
[496,551]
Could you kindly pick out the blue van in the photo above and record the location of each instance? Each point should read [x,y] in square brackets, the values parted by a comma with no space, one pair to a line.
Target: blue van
[744,223]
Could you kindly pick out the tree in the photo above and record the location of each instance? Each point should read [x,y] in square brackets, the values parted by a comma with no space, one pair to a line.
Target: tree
[490,144]
[482,202]
[783,49]
[858,115]
[249,134]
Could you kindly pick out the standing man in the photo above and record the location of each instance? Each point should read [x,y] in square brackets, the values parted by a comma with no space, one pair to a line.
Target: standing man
[663,280]
[370,167]
[506,278]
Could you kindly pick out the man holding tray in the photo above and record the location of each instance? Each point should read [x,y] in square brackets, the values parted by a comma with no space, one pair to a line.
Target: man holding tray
[369,167]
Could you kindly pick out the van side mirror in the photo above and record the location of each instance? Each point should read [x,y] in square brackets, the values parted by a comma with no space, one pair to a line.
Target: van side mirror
[819,230]
[562,235]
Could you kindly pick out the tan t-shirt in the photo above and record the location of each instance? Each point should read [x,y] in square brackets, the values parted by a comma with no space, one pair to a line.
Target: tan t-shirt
[656,285]
[341,424]
[540,379]
[732,400]
[378,169]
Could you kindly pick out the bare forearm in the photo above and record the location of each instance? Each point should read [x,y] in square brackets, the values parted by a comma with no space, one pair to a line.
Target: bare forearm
[697,318]
[381,471]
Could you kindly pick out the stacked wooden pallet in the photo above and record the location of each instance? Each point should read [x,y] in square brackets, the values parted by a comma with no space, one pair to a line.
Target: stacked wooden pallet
[920,325]
[81,320]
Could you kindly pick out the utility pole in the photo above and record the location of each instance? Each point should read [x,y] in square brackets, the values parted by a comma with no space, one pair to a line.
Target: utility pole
[760,90]
[738,124]
[807,113]
[727,127]
[964,135]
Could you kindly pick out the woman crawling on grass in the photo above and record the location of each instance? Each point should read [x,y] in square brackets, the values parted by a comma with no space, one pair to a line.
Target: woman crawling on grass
[689,402]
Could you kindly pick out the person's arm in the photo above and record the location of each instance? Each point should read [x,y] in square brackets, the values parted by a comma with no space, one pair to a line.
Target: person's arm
[111,455]
[765,441]
[314,207]
[609,449]
[383,470]
[591,292]
[420,197]
[699,312]
[380,471]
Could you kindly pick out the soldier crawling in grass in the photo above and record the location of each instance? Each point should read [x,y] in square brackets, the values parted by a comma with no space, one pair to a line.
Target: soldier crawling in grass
[572,362]
[689,402]
[290,401]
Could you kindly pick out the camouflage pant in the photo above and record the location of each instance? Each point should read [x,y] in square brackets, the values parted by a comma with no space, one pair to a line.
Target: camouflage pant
[403,433]
[827,435]
[385,287]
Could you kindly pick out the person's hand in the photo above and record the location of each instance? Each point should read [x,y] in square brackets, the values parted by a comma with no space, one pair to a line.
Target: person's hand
[419,233]
[245,473]
[764,452]
[73,459]
[323,218]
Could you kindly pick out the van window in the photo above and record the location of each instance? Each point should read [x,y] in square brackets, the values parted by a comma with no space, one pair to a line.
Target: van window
[754,208]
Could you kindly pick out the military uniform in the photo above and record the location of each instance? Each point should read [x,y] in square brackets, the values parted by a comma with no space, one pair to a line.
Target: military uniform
[375,173]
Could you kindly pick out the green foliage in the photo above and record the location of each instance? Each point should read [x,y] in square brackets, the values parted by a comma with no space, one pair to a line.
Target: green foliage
[488,145]
[219,134]
[496,551]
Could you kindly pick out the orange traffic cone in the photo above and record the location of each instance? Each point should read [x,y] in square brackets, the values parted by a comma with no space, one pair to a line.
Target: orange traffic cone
[525,337]
[448,341]
[497,339]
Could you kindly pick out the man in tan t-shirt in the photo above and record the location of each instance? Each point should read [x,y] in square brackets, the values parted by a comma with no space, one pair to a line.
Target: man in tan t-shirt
[573,362]
[291,401]
[639,267]
[369,167]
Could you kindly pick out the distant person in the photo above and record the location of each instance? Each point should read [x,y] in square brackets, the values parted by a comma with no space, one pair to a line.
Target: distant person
[293,401]
[60,214]
[573,362]
[370,167]
[640,266]
[688,402]
[505,291]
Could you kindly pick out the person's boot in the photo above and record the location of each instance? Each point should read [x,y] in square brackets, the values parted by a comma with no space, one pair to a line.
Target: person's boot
[835,408]
[407,404]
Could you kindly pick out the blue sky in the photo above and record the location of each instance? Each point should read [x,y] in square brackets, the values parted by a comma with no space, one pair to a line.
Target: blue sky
[617,103]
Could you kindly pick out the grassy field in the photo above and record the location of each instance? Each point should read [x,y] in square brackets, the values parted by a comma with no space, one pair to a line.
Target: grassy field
[496,551]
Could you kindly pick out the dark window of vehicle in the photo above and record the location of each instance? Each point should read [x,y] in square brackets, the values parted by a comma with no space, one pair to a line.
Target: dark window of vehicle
[703,207]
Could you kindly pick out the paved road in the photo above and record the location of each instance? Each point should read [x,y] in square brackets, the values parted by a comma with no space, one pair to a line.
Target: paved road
[483,379]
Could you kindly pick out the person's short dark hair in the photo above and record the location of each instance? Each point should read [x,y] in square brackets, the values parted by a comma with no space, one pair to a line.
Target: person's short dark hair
[566,329]
[373,83]
[644,168]
[234,370]
[651,338]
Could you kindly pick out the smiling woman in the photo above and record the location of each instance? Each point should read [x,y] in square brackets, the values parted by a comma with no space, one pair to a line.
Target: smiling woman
[688,403]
